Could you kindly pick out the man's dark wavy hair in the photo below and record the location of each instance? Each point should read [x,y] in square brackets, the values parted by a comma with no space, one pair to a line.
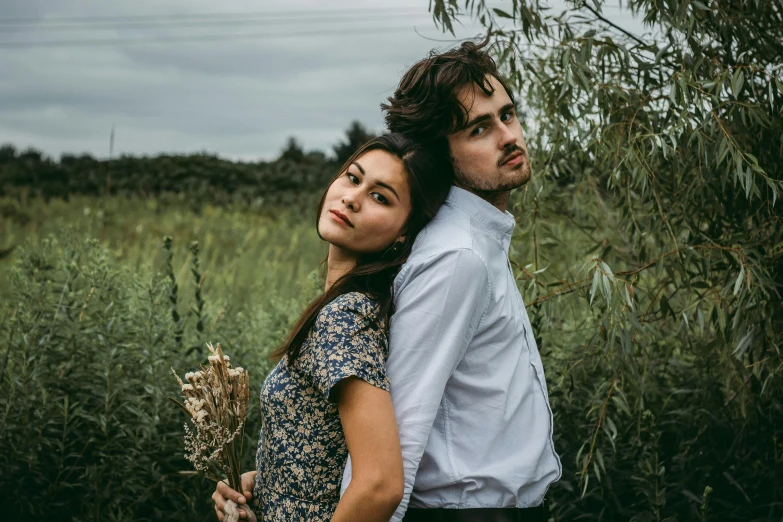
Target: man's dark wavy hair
[425,106]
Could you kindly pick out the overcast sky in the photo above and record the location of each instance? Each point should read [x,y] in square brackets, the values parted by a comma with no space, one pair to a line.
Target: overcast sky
[307,69]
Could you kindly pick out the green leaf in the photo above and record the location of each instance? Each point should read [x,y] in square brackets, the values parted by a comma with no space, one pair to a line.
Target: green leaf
[737,81]
[684,88]
[628,299]
[612,428]
[723,149]
[738,282]
[774,188]
[660,52]
[743,344]
[606,289]
[621,404]
[501,13]
[596,282]
[599,457]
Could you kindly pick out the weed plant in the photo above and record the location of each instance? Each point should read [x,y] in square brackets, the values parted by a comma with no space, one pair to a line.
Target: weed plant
[89,340]
[659,422]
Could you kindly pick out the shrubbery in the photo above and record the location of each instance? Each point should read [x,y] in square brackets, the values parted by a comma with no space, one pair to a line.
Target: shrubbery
[85,425]
[646,428]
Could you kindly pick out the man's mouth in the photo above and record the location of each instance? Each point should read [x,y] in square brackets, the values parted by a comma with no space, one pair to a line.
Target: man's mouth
[515,158]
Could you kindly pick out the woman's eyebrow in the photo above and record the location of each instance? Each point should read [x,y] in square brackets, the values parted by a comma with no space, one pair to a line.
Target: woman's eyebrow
[389,187]
[379,183]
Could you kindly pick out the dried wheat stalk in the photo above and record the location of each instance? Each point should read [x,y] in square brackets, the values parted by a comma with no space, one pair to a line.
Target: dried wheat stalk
[216,400]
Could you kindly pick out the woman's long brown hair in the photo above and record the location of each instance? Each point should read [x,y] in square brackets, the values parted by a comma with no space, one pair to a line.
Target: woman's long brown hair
[429,181]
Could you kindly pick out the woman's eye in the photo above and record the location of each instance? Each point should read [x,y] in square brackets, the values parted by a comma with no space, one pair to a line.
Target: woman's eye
[380,198]
[353,178]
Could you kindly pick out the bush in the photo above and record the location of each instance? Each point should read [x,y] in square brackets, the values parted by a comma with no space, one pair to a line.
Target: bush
[86,428]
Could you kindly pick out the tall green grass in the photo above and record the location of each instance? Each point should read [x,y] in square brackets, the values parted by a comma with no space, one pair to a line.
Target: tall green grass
[95,309]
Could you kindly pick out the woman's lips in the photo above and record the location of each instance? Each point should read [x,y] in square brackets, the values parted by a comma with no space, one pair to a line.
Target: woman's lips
[341,218]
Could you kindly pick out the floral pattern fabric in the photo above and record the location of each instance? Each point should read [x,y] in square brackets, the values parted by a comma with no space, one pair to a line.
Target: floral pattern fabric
[301,449]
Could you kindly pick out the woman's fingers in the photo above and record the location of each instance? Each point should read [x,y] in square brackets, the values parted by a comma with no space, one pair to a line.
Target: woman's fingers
[227,492]
[221,495]
[219,501]
[248,482]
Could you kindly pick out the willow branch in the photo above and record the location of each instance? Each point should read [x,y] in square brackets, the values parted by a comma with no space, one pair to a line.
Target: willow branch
[608,22]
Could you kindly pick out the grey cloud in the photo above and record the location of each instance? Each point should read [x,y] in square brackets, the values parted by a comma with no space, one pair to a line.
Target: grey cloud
[238,98]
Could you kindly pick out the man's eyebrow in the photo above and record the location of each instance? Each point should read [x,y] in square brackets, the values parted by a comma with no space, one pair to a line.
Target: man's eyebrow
[483,117]
[478,119]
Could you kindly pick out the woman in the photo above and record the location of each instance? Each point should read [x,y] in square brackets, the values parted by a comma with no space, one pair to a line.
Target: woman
[328,397]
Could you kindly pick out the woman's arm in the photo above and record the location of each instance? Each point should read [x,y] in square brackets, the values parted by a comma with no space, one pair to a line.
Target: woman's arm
[370,429]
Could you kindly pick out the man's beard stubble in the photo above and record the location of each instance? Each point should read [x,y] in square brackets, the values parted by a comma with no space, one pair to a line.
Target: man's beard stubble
[484,188]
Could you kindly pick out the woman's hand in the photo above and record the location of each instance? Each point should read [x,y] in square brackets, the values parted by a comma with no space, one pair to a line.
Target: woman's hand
[224,493]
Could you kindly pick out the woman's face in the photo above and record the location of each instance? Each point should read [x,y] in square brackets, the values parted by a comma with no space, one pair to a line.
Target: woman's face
[367,206]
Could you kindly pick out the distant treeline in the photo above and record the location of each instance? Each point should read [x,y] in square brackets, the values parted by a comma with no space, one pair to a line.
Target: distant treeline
[294,172]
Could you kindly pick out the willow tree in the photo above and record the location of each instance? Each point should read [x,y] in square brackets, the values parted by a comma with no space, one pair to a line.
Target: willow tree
[652,248]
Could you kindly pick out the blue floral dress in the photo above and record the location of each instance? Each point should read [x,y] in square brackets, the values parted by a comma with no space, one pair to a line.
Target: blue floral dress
[301,451]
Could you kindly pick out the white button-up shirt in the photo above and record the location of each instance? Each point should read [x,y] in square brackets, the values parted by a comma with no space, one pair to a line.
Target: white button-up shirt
[467,381]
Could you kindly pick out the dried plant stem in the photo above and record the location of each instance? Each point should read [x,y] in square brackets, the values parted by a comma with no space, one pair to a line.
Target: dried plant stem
[216,400]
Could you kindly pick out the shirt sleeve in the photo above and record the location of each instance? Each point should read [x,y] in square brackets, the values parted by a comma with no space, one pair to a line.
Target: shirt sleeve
[439,304]
[349,343]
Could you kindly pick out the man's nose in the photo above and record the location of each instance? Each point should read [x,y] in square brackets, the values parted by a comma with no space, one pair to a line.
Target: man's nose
[507,137]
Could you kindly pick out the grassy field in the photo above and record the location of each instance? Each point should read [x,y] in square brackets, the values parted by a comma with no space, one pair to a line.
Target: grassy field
[647,421]
[244,254]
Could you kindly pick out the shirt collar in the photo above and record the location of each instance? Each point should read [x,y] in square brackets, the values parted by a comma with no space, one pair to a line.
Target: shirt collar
[499,224]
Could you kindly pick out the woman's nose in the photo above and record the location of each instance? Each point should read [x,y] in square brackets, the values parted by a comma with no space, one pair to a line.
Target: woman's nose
[349,199]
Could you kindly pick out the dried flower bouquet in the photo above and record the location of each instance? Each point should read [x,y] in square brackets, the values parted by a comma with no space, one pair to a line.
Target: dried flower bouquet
[216,400]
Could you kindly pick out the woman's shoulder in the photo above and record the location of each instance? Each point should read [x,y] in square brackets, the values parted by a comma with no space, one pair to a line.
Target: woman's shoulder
[358,301]
[349,307]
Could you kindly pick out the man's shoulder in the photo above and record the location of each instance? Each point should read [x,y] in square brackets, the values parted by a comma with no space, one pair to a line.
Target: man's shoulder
[446,245]
[449,231]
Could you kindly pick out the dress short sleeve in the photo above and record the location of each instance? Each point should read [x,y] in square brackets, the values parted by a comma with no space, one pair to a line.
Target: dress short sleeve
[349,340]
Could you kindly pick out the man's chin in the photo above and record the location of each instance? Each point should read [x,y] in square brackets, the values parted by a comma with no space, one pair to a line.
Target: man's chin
[506,181]
[518,179]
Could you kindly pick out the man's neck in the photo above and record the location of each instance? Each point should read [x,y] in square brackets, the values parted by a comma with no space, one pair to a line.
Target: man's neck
[498,199]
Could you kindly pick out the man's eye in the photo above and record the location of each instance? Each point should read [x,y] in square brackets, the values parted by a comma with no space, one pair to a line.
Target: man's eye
[506,116]
[380,198]
[478,131]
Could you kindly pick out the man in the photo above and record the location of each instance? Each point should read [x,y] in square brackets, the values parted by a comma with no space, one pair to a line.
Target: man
[467,381]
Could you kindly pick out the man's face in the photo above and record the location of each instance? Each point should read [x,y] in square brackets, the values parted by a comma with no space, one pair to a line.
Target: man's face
[489,154]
